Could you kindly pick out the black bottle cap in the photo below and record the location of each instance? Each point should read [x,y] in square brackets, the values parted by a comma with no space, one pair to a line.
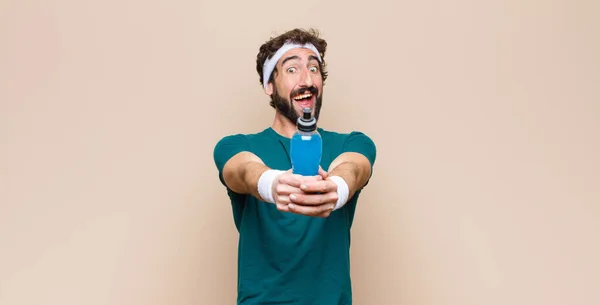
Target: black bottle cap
[307,122]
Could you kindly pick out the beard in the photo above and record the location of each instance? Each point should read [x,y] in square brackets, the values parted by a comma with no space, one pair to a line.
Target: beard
[286,108]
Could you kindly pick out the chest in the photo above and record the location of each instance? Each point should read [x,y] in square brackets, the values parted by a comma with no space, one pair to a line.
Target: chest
[275,153]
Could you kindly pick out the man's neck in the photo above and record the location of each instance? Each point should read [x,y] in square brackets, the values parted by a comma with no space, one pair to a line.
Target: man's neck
[283,126]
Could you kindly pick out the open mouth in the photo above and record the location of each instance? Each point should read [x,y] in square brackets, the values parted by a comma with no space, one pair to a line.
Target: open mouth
[305,97]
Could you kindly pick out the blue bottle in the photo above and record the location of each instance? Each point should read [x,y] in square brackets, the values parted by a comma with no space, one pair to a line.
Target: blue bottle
[306,146]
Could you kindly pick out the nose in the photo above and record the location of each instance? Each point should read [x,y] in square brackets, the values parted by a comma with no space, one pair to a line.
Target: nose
[306,78]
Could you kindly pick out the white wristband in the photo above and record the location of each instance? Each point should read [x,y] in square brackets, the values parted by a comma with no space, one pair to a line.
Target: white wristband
[265,184]
[342,191]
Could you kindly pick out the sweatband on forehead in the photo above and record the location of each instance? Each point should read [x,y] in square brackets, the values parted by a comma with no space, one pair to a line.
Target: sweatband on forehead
[270,63]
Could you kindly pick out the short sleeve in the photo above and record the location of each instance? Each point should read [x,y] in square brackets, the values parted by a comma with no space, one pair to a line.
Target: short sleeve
[226,148]
[359,142]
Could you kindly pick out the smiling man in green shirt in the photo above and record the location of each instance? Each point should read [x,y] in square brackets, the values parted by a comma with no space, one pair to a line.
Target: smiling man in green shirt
[294,244]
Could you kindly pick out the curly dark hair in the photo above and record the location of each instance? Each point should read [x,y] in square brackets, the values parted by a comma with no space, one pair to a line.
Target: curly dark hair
[299,36]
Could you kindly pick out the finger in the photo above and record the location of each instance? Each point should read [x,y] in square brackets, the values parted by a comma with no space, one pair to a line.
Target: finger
[312,178]
[283,207]
[324,186]
[284,199]
[290,179]
[314,199]
[323,173]
[320,210]
[286,189]
[297,180]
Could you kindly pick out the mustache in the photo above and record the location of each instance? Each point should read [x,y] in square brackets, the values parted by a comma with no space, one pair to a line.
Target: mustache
[312,89]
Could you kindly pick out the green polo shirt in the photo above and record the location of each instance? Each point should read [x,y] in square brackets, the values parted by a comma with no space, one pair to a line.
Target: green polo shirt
[285,258]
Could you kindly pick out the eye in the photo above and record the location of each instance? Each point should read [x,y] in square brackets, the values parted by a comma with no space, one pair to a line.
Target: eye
[291,70]
[314,69]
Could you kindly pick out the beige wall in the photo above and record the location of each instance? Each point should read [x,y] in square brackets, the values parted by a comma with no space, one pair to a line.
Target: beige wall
[486,117]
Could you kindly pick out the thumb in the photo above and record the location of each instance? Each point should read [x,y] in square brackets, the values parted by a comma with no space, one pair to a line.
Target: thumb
[323,173]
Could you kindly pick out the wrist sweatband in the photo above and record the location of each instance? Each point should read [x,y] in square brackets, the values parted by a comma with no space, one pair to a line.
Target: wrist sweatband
[342,191]
[265,184]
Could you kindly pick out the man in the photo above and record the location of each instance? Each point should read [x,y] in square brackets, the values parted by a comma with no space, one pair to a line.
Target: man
[294,230]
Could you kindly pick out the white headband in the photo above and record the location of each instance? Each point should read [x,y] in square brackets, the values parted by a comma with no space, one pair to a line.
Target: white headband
[270,63]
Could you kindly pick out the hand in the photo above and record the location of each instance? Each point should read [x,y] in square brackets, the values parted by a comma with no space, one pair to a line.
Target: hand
[289,183]
[317,198]
[323,173]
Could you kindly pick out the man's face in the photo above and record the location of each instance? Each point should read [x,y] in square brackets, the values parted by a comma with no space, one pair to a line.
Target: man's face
[297,84]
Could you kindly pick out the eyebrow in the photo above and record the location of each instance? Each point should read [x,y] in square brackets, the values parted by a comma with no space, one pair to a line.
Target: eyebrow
[310,58]
[289,58]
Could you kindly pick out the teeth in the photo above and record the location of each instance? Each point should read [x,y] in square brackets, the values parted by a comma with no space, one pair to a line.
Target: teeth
[299,97]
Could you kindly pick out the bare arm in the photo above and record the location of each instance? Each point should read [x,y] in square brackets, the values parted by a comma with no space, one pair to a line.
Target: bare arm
[319,198]
[317,195]
[354,168]
[242,171]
